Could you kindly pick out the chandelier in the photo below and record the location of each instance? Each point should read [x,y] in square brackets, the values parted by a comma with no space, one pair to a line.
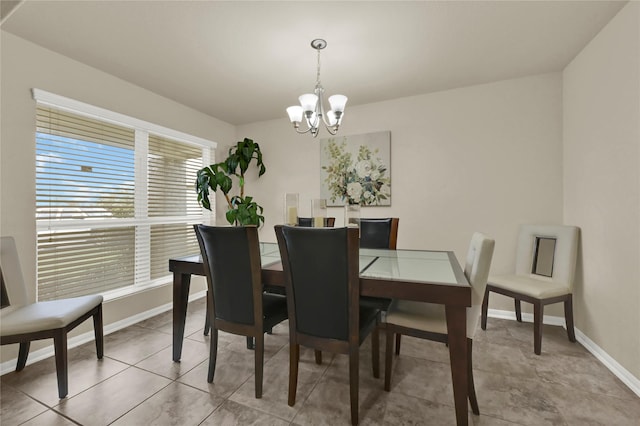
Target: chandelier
[312,105]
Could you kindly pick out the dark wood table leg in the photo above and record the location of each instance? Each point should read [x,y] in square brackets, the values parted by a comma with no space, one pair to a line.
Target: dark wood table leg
[457,328]
[181,284]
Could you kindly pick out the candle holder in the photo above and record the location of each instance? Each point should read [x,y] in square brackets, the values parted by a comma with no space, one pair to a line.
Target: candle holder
[352,215]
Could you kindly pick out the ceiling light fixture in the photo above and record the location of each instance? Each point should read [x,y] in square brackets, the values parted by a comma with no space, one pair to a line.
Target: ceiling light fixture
[312,106]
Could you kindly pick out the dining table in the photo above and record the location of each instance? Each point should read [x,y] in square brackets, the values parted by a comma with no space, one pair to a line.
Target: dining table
[422,275]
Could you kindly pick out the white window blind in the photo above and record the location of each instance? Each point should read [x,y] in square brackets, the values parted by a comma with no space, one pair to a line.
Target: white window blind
[113,202]
[171,193]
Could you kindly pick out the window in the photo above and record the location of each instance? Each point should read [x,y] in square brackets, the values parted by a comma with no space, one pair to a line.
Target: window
[115,199]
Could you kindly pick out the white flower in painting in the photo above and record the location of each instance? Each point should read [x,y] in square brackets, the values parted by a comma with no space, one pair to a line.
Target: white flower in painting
[375,174]
[368,196]
[354,191]
[363,169]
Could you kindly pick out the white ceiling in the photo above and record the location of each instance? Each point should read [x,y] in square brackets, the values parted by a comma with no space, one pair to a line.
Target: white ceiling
[244,61]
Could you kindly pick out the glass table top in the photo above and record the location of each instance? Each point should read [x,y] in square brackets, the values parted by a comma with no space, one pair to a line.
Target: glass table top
[405,265]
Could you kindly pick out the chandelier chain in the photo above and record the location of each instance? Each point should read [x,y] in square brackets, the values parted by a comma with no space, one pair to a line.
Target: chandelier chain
[318,71]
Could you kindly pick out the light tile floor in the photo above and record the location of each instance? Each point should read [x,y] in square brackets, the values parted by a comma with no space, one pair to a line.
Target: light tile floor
[137,383]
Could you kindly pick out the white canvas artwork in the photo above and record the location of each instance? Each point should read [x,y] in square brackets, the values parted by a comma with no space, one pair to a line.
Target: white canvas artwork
[356,169]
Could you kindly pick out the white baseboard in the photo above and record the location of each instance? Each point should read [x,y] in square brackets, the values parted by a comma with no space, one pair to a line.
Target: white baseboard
[48,351]
[621,373]
[618,370]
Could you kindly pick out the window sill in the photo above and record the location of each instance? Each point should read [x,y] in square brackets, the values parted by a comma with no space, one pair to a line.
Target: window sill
[135,289]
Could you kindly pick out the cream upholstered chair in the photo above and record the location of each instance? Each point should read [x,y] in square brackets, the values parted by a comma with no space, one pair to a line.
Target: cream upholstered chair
[428,321]
[544,274]
[21,322]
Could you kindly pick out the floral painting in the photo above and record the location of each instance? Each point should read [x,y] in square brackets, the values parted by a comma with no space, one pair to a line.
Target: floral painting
[356,169]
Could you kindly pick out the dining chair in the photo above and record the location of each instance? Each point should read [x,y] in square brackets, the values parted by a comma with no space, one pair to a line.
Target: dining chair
[306,222]
[237,304]
[329,222]
[22,322]
[302,221]
[544,274]
[321,268]
[379,232]
[428,320]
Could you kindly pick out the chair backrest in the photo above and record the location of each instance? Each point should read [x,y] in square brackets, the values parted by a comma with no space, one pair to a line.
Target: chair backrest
[11,272]
[322,280]
[563,258]
[379,233]
[329,222]
[231,258]
[476,269]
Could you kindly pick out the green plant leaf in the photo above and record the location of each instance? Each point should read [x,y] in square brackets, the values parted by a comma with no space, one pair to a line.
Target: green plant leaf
[219,176]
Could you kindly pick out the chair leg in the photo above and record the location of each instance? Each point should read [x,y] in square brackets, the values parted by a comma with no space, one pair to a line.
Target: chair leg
[207,320]
[318,355]
[250,343]
[568,318]
[518,309]
[99,332]
[375,352]
[354,362]
[60,347]
[259,364]
[485,309]
[294,356]
[388,359]
[213,354]
[398,340]
[23,354]
[472,389]
[538,313]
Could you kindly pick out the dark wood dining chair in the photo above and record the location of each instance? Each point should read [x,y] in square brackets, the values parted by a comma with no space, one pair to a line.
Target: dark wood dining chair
[329,222]
[379,233]
[544,274]
[428,320]
[22,322]
[237,303]
[321,267]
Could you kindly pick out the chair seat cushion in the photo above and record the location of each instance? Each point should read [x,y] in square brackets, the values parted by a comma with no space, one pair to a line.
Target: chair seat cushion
[49,315]
[274,309]
[419,315]
[530,285]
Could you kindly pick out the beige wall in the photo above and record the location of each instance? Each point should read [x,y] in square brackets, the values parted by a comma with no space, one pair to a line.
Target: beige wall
[481,158]
[24,66]
[601,90]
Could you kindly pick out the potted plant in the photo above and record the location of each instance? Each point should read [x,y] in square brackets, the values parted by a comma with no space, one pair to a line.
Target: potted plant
[242,210]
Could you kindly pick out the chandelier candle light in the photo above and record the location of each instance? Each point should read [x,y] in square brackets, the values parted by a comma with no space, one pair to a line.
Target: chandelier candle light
[312,106]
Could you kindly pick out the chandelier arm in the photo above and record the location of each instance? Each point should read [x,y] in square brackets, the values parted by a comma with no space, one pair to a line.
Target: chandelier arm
[302,132]
[320,107]
[332,130]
